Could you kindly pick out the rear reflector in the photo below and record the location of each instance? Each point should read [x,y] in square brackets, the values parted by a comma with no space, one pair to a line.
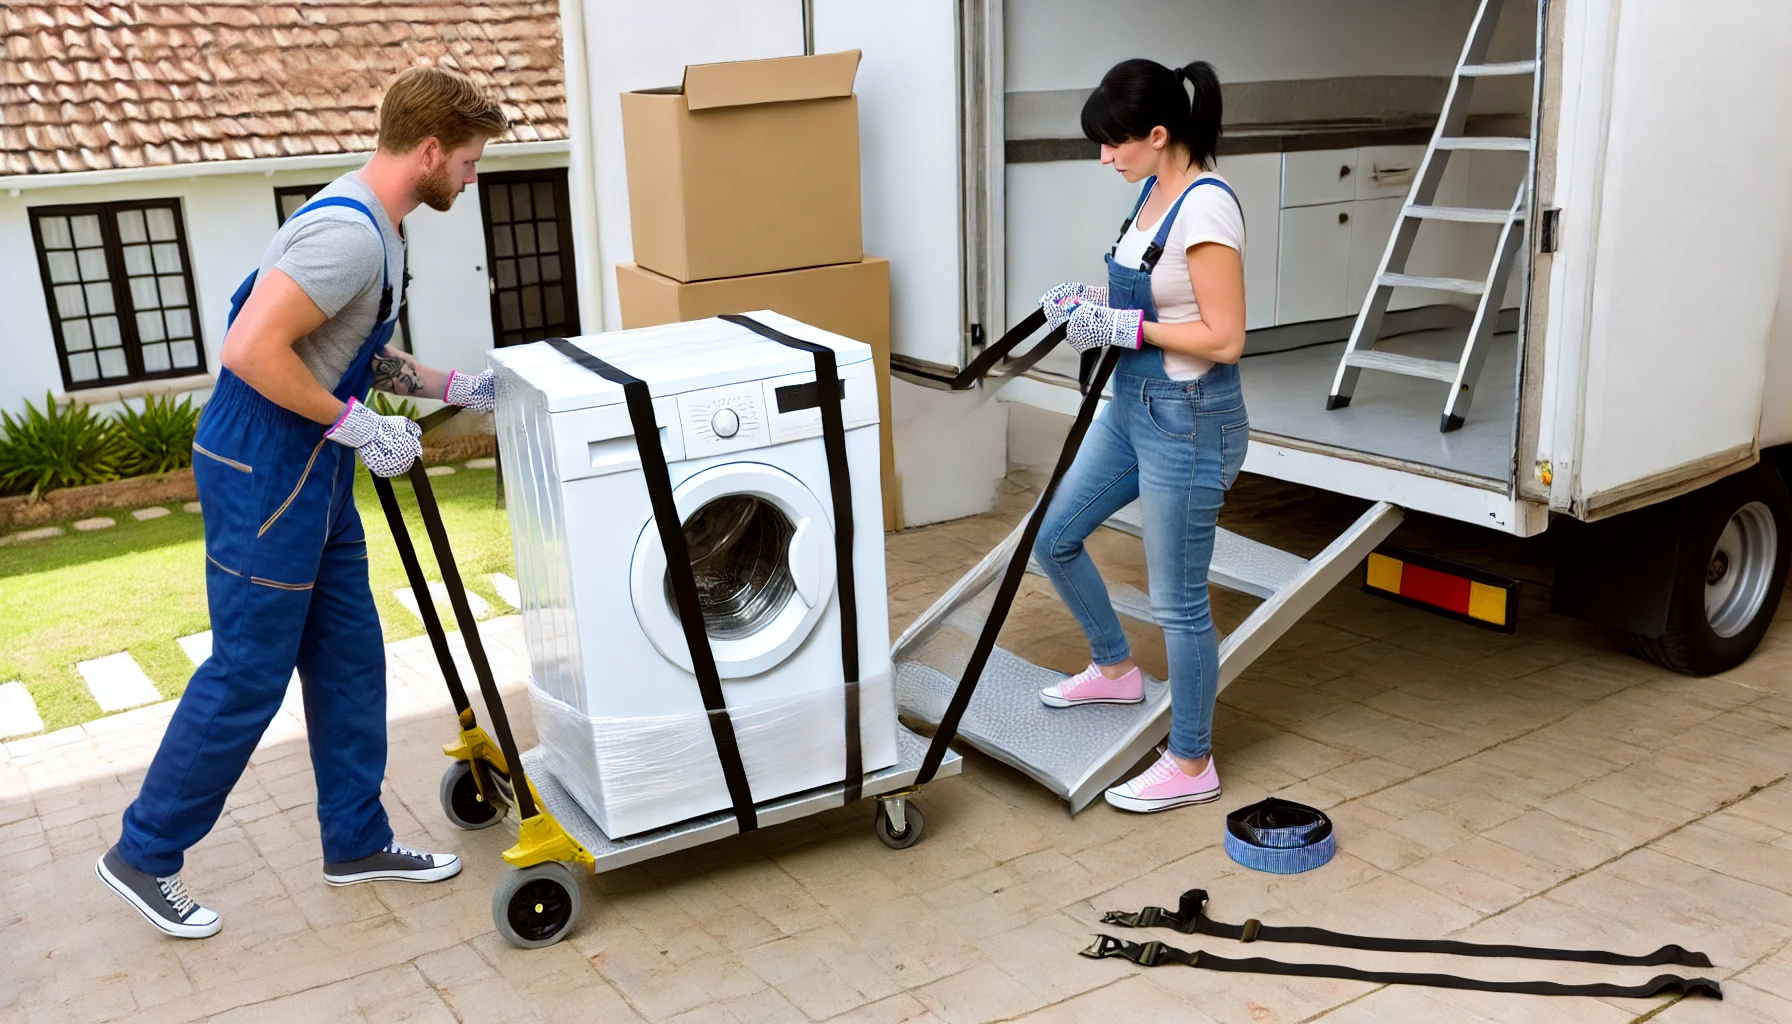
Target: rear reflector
[1449,588]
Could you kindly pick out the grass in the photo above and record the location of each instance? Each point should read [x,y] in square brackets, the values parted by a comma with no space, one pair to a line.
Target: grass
[137,586]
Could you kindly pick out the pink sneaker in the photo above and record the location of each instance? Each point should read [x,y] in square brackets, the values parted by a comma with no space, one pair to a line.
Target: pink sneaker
[1164,785]
[1091,687]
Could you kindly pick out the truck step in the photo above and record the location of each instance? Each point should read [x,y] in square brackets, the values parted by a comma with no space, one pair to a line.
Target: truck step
[1483,142]
[1447,284]
[1462,214]
[1410,366]
[1510,67]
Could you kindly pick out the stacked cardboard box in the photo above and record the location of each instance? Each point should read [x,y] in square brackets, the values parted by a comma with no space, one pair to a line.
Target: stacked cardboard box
[743,195]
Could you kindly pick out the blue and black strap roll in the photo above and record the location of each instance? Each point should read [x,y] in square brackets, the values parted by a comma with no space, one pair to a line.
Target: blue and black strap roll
[1279,836]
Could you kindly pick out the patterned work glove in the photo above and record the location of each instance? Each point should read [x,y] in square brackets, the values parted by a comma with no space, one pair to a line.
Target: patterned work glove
[475,391]
[387,444]
[1059,301]
[1092,326]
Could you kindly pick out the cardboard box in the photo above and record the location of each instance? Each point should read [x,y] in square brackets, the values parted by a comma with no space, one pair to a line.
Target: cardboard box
[747,168]
[852,299]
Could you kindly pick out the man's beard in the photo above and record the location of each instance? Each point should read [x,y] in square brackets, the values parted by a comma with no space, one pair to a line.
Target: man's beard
[438,190]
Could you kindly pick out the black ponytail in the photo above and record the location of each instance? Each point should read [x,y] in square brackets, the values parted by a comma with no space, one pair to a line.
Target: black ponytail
[1136,96]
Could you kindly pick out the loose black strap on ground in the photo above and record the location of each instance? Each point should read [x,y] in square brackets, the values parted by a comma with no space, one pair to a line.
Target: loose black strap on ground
[1156,954]
[1190,918]
[678,566]
[833,437]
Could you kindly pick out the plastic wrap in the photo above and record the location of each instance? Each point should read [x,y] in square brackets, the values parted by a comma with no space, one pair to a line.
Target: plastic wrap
[636,774]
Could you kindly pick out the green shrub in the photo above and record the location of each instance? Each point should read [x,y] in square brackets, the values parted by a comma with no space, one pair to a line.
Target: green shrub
[157,440]
[62,446]
[403,407]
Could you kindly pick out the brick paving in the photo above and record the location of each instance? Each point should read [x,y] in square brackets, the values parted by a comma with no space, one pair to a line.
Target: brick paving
[1540,788]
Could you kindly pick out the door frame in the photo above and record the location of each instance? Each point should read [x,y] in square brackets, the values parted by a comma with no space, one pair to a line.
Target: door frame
[558,177]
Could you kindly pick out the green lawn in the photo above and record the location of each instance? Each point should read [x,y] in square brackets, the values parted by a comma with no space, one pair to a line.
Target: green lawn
[137,586]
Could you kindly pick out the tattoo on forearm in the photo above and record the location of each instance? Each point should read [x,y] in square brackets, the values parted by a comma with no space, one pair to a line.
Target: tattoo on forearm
[396,375]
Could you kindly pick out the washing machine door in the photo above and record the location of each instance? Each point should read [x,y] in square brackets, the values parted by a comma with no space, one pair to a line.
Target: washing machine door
[763,553]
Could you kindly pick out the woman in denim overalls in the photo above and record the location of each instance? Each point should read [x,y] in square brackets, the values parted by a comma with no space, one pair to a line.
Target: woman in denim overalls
[1174,434]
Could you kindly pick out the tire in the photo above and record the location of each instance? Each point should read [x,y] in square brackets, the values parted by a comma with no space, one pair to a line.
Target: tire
[461,801]
[536,906]
[911,834]
[1734,545]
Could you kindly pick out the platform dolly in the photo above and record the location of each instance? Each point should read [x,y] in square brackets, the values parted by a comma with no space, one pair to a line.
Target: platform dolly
[537,902]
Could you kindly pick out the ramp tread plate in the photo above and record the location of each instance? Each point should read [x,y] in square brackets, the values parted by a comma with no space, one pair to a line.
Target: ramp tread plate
[616,853]
[1251,567]
[1055,746]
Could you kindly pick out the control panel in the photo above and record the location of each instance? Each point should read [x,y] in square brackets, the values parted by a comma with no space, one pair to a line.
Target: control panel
[722,420]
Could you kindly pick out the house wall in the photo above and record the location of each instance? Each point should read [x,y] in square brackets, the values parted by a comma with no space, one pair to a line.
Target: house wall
[229,221]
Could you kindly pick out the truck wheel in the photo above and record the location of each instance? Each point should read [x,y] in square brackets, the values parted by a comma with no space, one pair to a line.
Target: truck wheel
[1734,544]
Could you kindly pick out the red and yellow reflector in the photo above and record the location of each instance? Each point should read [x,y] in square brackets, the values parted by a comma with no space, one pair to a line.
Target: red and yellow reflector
[1449,588]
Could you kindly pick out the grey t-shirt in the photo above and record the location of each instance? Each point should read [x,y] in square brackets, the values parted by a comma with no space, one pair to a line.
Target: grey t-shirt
[334,256]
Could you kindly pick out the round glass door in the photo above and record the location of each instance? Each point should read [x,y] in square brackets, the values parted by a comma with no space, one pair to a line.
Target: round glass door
[740,555]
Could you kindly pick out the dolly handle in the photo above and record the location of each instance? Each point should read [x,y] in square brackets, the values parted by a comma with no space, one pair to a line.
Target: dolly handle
[426,608]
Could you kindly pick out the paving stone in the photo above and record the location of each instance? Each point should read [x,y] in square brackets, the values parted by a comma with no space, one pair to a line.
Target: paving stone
[143,515]
[41,533]
[484,463]
[18,712]
[439,471]
[117,682]
[507,589]
[438,591]
[191,506]
[96,523]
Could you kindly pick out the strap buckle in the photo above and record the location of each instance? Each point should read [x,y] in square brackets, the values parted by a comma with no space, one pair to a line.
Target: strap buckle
[1145,954]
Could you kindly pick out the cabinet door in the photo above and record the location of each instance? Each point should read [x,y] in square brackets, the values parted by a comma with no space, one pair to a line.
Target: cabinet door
[1257,178]
[1314,263]
[1384,171]
[1318,176]
[1371,224]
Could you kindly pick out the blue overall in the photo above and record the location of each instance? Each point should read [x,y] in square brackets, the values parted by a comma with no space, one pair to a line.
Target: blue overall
[1176,445]
[286,583]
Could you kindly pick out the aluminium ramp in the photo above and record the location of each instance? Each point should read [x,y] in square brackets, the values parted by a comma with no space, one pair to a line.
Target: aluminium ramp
[1078,752]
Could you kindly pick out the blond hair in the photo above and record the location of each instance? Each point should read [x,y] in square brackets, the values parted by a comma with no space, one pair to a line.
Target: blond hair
[431,102]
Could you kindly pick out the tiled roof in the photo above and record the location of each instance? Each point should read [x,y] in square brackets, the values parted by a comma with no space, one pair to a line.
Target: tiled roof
[93,85]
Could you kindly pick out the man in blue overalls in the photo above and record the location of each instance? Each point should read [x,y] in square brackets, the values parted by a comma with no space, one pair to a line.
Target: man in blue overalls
[286,559]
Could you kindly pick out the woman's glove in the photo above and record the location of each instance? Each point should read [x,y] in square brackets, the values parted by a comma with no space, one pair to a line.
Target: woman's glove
[387,444]
[1091,326]
[1059,301]
[475,391]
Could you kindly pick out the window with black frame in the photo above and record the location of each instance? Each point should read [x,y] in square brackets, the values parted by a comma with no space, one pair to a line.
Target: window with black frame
[528,244]
[119,286]
[290,199]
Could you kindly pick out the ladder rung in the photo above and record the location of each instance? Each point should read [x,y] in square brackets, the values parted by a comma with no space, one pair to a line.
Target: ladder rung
[1466,214]
[1410,366]
[1511,67]
[1483,142]
[1447,284]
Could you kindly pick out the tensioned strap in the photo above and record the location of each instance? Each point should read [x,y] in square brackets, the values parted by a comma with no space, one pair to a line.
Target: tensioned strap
[1156,954]
[833,440]
[1190,918]
[678,566]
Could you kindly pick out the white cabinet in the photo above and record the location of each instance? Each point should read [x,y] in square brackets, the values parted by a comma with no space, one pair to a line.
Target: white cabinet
[1385,172]
[1257,178]
[1371,224]
[1318,176]
[1313,268]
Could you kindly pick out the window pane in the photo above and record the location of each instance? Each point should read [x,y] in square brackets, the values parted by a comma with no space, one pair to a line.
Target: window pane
[513,339]
[87,230]
[93,265]
[69,301]
[143,293]
[550,268]
[500,197]
[83,367]
[556,304]
[136,260]
[290,203]
[530,273]
[520,208]
[75,336]
[99,298]
[531,307]
[547,237]
[62,267]
[525,239]
[544,200]
[501,240]
[168,258]
[506,273]
[174,289]
[155,358]
[149,326]
[508,313]
[112,363]
[130,226]
[161,223]
[180,323]
[55,231]
[105,332]
[185,354]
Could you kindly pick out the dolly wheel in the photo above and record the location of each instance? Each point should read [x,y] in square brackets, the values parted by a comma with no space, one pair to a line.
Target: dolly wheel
[461,800]
[913,825]
[536,906]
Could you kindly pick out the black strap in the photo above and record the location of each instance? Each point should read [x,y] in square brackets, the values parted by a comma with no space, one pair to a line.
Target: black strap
[678,566]
[833,439]
[995,350]
[1017,567]
[1190,918]
[1156,954]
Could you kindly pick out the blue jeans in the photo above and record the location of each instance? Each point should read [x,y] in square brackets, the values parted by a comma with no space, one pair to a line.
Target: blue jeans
[1177,445]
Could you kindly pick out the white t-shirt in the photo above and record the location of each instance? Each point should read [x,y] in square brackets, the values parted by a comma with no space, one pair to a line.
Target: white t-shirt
[1209,214]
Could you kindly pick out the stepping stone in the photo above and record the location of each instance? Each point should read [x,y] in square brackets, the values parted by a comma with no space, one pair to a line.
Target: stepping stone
[507,589]
[144,515]
[18,712]
[482,463]
[198,647]
[439,471]
[41,533]
[191,506]
[438,592]
[96,523]
[117,682]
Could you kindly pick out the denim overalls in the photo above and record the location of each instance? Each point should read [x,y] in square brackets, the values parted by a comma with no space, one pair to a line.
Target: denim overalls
[286,583]
[1177,445]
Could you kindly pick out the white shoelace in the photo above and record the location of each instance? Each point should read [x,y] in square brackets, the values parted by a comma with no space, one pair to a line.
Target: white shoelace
[404,851]
[175,892]
[1162,771]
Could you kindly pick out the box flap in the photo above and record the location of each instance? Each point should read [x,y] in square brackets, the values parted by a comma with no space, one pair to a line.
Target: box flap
[778,80]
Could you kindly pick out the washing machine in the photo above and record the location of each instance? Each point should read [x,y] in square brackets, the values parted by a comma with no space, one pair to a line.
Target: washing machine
[617,706]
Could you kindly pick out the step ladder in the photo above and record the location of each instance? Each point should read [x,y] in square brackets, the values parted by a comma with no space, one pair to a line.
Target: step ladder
[1462,373]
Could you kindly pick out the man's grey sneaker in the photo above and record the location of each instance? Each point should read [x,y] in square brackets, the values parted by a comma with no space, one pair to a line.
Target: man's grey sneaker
[394,864]
[162,901]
